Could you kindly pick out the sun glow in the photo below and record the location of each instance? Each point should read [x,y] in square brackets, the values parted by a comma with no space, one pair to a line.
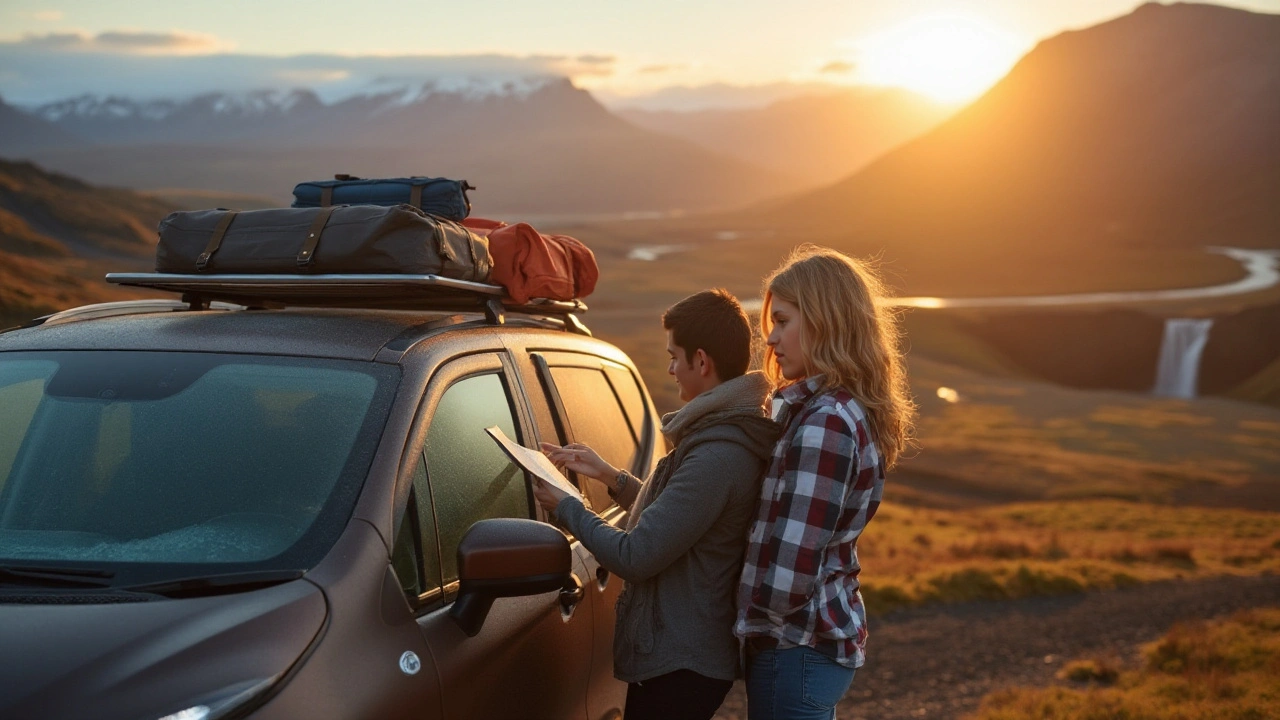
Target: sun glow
[949,58]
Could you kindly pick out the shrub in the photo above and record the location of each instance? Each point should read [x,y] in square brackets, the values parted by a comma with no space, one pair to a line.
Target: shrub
[1028,583]
[880,599]
[1227,670]
[965,585]
[1090,671]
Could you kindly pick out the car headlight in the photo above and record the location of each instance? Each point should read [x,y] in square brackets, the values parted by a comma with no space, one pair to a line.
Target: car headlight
[222,703]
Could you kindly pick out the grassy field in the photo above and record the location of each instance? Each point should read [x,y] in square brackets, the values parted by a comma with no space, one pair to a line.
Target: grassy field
[916,556]
[1008,438]
[1223,670]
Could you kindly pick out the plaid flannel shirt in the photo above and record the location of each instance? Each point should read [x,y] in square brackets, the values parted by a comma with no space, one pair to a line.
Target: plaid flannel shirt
[800,579]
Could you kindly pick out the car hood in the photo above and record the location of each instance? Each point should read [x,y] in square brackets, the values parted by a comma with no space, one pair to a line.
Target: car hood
[142,660]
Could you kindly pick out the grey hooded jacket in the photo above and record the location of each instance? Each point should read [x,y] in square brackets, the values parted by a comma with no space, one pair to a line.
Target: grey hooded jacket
[682,551]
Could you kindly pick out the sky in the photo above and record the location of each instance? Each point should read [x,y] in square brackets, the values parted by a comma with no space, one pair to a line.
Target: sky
[621,51]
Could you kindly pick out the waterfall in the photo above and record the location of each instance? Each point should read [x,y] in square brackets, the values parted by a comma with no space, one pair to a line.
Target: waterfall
[1180,351]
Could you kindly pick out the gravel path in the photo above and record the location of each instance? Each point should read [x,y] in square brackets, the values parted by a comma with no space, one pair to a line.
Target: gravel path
[939,662]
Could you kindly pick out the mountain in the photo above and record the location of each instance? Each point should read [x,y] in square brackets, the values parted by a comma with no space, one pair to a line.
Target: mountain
[819,137]
[59,235]
[1156,130]
[22,133]
[535,146]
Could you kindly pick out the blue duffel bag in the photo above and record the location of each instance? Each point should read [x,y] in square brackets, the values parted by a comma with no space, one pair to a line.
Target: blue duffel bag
[436,196]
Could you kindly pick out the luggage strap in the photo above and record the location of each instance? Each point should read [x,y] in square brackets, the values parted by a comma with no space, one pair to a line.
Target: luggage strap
[202,261]
[326,196]
[308,252]
[415,196]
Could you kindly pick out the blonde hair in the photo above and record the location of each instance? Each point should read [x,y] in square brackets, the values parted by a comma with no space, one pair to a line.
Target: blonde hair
[846,336]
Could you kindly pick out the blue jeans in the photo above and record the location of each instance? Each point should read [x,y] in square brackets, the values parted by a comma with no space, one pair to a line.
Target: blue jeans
[795,684]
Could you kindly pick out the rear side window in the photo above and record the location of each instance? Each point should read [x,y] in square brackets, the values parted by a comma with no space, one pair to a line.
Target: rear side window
[627,389]
[471,479]
[597,418]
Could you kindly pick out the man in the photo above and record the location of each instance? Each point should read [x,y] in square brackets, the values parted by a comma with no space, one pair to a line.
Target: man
[682,547]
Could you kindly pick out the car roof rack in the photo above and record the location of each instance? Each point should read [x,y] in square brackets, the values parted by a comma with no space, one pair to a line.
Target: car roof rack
[372,291]
[114,309]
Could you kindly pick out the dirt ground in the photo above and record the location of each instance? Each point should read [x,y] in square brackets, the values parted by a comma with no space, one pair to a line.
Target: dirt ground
[939,662]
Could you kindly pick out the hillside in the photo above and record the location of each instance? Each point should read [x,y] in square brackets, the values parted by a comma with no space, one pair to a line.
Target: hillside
[1153,132]
[58,235]
[543,147]
[821,138]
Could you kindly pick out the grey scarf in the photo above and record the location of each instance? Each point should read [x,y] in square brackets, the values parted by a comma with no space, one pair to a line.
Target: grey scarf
[745,394]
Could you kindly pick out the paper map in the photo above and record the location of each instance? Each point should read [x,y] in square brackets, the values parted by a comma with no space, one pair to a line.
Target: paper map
[533,461]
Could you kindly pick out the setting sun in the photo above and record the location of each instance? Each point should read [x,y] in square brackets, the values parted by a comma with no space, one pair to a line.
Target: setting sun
[949,58]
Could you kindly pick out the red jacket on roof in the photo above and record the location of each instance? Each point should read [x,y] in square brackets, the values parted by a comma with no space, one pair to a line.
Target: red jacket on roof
[532,265]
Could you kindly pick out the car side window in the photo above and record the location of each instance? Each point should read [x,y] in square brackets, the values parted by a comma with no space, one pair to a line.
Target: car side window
[630,396]
[470,478]
[415,555]
[404,554]
[598,420]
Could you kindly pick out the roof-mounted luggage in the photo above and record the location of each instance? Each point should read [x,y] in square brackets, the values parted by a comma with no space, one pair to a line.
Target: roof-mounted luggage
[380,291]
[437,196]
[378,255]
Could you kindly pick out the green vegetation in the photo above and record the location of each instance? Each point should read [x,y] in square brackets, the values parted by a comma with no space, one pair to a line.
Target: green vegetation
[1223,670]
[916,556]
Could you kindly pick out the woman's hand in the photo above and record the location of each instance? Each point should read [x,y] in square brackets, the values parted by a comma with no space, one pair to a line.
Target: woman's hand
[547,495]
[580,459]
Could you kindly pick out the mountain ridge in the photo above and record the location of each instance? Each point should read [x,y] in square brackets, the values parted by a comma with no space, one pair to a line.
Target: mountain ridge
[546,147]
[1151,130]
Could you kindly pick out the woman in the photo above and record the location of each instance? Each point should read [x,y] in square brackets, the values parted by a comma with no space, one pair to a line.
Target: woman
[842,397]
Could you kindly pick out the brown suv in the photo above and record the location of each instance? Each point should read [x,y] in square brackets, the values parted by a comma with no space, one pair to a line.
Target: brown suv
[216,511]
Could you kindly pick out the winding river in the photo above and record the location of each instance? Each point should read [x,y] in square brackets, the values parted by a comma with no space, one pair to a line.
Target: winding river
[1262,271]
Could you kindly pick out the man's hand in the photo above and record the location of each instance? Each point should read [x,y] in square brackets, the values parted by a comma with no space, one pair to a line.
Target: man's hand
[580,459]
[547,495]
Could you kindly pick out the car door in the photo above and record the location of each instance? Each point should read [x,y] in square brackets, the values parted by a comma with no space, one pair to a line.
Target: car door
[600,402]
[532,657]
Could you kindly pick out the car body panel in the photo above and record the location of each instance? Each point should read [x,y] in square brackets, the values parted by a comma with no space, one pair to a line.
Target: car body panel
[131,660]
[354,672]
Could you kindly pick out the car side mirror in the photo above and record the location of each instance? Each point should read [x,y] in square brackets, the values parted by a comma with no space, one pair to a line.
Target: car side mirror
[507,557]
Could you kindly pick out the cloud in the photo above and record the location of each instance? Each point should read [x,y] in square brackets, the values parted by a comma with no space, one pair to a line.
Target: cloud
[124,42]
[660,69]
[48,15]
[837,67]
[722,96]
[583,65]
[308,77]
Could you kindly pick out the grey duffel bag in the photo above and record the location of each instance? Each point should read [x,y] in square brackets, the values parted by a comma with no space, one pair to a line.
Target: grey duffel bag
[339,239]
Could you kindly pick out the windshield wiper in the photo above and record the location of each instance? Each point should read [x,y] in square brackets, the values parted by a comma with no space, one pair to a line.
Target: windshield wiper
[217,584]
[55,577]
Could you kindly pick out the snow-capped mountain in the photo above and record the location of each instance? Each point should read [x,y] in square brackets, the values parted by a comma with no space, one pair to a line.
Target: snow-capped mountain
[299,116]
[537,144]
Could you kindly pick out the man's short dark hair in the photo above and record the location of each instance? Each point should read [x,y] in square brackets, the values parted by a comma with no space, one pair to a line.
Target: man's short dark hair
[712,321]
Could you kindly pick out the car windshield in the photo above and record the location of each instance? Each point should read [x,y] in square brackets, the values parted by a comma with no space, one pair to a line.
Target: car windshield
[161,464]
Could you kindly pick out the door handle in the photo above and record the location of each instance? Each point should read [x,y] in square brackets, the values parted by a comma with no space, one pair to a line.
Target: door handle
[572,593]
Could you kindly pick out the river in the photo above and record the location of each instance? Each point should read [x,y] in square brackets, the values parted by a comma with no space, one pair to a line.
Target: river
[1262,271]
